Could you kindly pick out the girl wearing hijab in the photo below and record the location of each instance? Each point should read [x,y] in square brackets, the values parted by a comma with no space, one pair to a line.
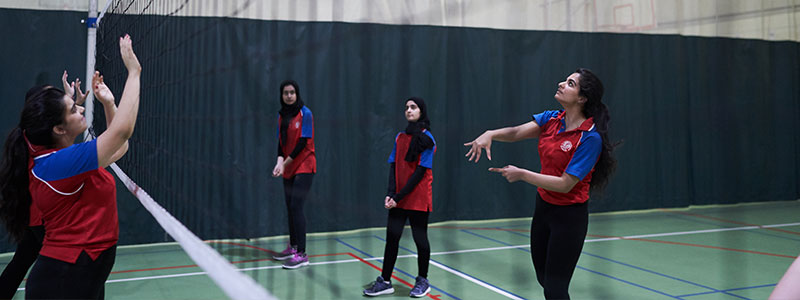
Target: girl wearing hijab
[297,164]
[409,197]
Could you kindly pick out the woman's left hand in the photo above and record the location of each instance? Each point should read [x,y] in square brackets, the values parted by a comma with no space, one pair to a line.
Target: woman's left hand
[510,172]
[389,203]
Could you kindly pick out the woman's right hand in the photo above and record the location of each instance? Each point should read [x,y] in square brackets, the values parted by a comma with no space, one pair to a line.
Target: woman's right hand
[389,203]
[278,170]
[484,141]
[128,57]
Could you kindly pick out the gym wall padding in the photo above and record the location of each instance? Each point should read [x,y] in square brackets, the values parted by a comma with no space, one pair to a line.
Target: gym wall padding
[704,120]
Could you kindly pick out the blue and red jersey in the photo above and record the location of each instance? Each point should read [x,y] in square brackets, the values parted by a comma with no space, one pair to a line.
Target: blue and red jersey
[77,201]
[574,152]
[421,197]
[301,126]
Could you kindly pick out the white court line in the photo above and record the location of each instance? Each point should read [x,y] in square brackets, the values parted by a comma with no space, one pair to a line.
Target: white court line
[691,232]
[467,251]
[476,281]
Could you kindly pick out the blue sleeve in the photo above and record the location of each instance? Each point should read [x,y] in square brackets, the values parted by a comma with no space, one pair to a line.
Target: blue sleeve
[308,124]
[586,155]
[543,117]
[394,149]
[426,157]
[68,162]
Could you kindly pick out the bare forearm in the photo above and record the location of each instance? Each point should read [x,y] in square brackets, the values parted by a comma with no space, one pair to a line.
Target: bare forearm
[560,184]
[110,110]
[128,108]
[507,134]
[513,134]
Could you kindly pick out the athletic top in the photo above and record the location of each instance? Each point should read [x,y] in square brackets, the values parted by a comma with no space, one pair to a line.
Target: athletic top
[421,197]
[301,126]
[77,200]
[574,152]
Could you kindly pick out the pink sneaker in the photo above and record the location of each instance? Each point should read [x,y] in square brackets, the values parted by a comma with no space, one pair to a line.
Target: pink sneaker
[287,253]
[298,260]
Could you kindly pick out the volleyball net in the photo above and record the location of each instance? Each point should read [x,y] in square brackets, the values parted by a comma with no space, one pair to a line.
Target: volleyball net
[187,149]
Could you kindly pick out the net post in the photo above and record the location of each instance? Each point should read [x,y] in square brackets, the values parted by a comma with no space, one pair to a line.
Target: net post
[91,40]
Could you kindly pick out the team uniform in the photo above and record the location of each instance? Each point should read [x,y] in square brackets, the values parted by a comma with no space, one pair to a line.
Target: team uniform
[414,205]
[421,197]
[297,179]
[300,126]
[560,220]
[77,204]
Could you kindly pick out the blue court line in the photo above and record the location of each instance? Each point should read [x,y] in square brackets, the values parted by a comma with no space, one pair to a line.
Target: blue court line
[396,268]
[728,290]
[713,290]
[628,282]
[462,272]
[579,267]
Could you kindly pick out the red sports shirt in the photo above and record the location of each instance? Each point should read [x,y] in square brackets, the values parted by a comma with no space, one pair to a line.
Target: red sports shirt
[77,201]
[301,125]
[421,197]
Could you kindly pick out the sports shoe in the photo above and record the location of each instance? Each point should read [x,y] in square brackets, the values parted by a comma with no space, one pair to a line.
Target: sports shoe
[379,287]
[298,260]
[421,288]
[286,253]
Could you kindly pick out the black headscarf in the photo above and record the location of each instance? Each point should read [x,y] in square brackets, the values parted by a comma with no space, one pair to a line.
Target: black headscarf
[419,140]
[288,112]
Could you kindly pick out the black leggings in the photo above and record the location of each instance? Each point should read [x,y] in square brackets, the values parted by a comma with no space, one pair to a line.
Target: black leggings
[27,251]
[295,189]
[85,279]
[557,235]
[394,230]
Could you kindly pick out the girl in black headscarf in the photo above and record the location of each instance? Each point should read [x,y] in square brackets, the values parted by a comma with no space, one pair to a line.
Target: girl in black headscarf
[413,177]
[297,164]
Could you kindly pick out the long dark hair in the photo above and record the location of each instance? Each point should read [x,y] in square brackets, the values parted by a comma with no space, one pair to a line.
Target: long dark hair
[43,109]
[592,88]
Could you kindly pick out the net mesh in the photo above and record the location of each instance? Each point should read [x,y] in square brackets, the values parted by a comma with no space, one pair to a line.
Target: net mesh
[182,147]
[188,149]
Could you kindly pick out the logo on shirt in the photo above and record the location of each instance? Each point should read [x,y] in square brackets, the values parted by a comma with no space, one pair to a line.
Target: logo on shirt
[297,124]
[566,146]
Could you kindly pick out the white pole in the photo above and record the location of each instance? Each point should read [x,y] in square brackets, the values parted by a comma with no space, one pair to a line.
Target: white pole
[91,40]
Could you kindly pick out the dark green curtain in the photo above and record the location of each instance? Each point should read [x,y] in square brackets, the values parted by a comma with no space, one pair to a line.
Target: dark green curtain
[704,120]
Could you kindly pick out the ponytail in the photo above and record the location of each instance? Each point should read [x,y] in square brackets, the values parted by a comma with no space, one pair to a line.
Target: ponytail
[15,198]
[592,88]
[44,108]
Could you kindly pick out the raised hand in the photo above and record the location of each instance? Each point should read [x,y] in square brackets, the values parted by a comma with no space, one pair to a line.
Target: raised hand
[81,96]
[101,90]
[484,141]
[71,87]
[128,57]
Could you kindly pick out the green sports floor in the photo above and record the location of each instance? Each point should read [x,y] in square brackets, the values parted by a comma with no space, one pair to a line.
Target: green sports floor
[710,252]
